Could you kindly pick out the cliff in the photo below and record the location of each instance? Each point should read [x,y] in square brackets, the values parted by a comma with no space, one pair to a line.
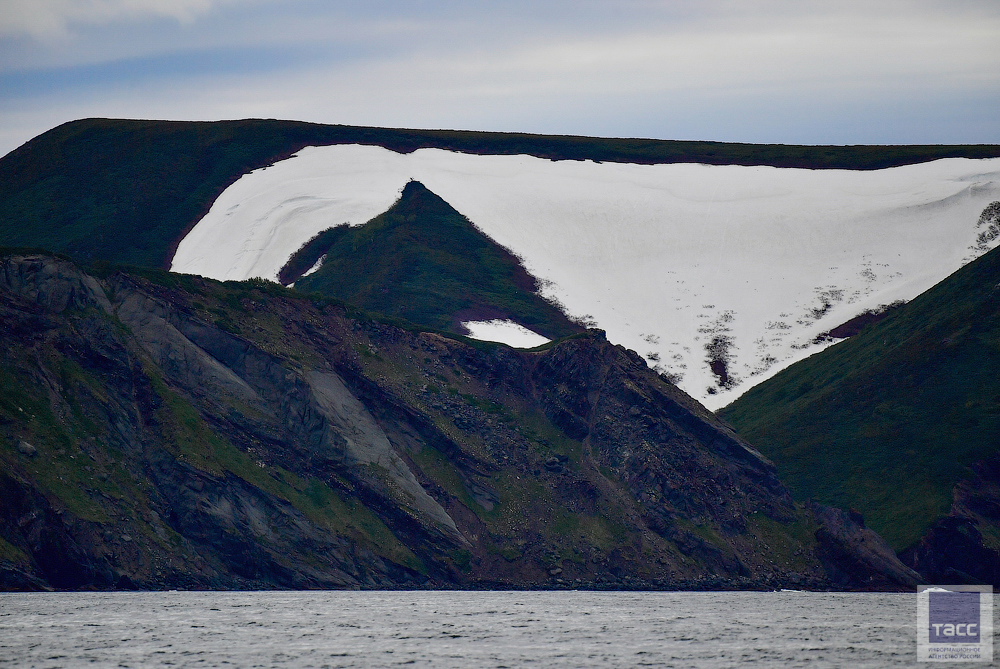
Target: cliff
[168,431]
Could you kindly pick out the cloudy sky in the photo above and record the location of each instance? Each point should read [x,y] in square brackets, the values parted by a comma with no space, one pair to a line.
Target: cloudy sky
[791,71]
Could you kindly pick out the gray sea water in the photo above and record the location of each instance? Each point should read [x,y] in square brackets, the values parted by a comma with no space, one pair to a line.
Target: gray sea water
[457,629]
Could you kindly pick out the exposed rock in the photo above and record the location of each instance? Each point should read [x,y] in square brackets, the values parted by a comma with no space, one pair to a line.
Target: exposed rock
[855,556]
[189,433]
[955,549]
[54,285]
[177,355]
[366,444]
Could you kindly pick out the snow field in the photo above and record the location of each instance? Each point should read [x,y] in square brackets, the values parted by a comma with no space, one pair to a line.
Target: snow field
[683,263]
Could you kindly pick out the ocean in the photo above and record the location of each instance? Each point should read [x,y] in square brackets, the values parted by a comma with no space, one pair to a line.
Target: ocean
[457,629]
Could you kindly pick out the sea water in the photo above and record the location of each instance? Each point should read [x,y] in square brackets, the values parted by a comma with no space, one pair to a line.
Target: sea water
[457,629]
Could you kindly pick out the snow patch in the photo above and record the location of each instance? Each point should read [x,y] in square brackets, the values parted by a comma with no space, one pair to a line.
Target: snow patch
[319,263]
[504,331]
[731,269]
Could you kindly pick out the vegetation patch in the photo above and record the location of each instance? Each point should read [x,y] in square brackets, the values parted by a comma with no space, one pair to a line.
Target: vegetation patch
[195,443]
[11,553]
[547,438]
[59,467]
[791,544]
[436,466]
[424,262]
[706,532]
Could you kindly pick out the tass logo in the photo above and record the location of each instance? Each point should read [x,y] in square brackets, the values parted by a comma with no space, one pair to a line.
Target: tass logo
[953,617]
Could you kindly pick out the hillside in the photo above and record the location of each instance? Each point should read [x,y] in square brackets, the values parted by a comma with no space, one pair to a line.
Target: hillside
[423,261]
[127,191]
[168,431]
[900,423]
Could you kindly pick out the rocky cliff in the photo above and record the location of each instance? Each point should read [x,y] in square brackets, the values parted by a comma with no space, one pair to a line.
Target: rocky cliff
[166,431]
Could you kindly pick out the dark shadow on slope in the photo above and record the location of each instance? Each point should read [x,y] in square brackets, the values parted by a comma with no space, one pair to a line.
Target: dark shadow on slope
[855,325]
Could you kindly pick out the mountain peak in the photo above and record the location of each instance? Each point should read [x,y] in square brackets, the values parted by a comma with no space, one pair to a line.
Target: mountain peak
[424,261]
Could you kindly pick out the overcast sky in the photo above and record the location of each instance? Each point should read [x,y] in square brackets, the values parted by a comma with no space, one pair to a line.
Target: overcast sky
[796,71]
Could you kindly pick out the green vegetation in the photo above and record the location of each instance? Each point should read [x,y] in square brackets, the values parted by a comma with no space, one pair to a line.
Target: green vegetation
[888,421]
[192,441]
[423,261]
[127,191]
[546,437]
[11,553]
[60,467]
[310,253]
[438,468]
[705,532]
[792,545]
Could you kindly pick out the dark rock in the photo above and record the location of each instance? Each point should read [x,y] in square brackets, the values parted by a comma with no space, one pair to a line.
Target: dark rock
[856,517]
[311,451]
[855,556]
[54,285]
[954,549]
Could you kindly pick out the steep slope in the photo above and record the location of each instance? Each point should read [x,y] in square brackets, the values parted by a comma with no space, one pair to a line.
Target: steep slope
[423,261]
[127,191]
[900,423]
[159,430]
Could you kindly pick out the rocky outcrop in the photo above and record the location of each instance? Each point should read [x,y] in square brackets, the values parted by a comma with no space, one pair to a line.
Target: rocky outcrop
[51,284]
[960,547]
[187,433]
[366,445]
[855,556]
[174,353]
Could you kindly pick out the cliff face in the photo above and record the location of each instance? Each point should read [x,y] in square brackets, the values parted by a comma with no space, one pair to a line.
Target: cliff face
[168,431]
[963,546]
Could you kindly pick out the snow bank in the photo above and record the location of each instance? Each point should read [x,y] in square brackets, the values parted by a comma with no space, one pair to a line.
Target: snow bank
[684,263]
[505,332]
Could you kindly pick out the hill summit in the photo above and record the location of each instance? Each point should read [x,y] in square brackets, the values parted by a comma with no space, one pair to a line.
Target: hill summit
[423,261]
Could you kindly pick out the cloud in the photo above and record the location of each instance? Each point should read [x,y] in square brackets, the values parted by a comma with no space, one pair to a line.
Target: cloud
[48,18]
[745,70]
[838,52]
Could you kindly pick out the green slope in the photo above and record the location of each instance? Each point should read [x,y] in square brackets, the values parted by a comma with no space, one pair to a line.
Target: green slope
[423,261]
[888,421]
[127,191]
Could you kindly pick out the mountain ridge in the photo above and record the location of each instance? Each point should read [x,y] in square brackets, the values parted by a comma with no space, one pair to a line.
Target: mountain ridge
[84,187]
[191,433]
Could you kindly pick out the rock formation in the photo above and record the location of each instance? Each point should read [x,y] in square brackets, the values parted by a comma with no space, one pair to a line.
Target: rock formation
[167,431]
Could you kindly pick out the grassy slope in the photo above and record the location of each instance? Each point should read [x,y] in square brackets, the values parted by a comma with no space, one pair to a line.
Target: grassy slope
[423,261]
[889,420]
[127,191]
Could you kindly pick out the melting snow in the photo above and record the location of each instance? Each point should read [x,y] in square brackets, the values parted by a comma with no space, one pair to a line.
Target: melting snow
[719,275]
[315,267]
[505,332]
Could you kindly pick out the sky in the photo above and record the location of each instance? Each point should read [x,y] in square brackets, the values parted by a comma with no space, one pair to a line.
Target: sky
[763,71]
